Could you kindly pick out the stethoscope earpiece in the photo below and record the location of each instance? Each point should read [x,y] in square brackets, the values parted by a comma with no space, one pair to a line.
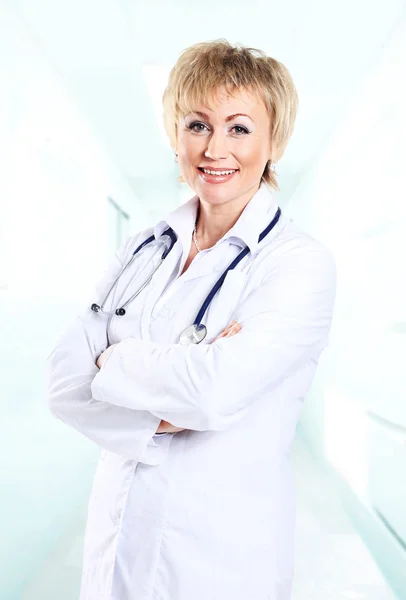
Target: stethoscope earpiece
[120,312]
[95,307]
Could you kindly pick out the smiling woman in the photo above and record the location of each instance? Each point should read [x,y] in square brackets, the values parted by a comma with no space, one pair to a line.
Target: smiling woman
[229,113]
[228,141]
[204,511]
[208,72]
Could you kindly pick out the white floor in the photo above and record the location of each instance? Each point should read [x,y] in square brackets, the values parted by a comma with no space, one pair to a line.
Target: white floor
[332,563]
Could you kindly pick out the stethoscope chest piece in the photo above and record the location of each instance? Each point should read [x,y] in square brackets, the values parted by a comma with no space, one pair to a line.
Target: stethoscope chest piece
[194,334]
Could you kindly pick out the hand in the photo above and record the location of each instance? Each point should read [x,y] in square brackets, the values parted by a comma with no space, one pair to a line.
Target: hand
[104,356]
[229,331]
[166,427]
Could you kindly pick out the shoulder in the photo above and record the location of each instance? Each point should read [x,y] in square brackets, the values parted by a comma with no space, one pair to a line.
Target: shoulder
[291,249]
[132,242]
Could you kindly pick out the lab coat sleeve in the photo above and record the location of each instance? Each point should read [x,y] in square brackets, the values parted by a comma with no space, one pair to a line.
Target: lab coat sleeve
[285,323]
[71,368]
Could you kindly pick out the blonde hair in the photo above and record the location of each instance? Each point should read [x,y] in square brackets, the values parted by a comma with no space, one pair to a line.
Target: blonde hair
[202,69]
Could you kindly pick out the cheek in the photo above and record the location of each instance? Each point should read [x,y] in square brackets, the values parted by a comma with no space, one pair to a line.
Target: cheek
[187,158]
[189,148]
[252,150]
[252,157]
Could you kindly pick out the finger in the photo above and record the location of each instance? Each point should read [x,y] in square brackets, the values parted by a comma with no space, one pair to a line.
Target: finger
[224,333]
[228,331]
[235,329]
[220,335]
[172,428]
[230,327]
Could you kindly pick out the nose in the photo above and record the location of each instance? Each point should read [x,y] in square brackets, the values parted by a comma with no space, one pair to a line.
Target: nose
[217,146]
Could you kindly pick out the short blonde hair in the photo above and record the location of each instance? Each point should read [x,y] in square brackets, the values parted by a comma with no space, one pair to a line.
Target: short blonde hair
[202,69]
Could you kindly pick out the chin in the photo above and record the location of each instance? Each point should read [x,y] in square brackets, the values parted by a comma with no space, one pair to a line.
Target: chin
[217,198]
[216,193]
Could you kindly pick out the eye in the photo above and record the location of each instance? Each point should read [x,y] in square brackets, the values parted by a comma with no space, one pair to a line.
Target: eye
[200,127]
[243,130]
[195,124]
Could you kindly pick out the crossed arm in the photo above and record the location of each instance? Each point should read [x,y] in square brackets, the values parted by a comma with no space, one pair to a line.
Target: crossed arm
[165,426]
[142,386]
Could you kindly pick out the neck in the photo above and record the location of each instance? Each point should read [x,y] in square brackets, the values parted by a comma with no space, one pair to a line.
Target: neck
[213,221]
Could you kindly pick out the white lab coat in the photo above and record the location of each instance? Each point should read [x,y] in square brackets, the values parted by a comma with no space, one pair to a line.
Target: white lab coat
[207,513]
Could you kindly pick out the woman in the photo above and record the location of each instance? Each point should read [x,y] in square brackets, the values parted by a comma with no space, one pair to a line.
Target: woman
[206,510]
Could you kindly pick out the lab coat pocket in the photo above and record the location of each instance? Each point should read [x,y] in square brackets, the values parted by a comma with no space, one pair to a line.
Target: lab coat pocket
[225,303]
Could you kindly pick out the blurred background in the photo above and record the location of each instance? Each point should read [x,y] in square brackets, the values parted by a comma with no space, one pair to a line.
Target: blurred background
[85,163]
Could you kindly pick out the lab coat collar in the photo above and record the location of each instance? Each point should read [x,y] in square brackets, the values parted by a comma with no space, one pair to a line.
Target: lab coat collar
[255,217]
[182,220]
[258,213]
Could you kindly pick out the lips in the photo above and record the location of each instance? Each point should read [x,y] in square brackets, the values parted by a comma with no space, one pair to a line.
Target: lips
[216,179]
[211,169]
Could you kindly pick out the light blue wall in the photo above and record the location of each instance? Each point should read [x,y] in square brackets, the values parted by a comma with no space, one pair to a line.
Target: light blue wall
[353,199]
[56,239]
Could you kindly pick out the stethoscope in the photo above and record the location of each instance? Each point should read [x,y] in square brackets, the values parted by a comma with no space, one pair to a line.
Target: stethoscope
[195,333]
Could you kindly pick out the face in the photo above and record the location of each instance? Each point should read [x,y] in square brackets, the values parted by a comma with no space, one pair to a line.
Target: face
[233,134]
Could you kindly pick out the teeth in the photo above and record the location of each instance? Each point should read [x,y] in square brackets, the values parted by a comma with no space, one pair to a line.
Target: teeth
[218,172]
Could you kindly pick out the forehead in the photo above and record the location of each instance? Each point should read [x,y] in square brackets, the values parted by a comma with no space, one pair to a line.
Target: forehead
[222,102]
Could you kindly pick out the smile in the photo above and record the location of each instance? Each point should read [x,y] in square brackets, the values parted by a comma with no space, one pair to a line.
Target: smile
[225,172]
[217,176]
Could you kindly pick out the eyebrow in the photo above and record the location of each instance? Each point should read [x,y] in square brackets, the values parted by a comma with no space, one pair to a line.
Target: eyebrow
[229,118]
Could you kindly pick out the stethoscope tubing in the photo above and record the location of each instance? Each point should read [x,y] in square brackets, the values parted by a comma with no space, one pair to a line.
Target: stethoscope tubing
[238,259]
[121,311]
[173,239]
